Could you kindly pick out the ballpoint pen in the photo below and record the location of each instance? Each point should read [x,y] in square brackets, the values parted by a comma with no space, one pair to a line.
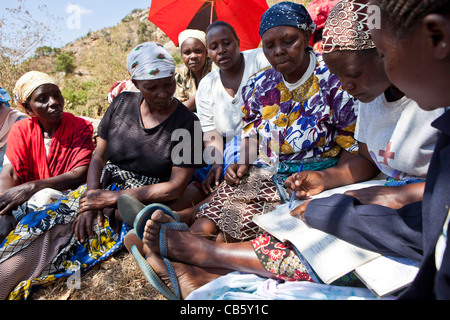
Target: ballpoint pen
[291,200]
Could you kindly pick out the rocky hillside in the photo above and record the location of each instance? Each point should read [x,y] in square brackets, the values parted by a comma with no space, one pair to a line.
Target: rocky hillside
[87,67]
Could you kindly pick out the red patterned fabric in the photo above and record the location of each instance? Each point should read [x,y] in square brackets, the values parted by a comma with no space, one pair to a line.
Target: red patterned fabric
[279,258]
[71,147]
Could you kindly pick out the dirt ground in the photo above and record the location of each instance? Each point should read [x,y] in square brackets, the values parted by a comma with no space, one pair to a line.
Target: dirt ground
[118,278]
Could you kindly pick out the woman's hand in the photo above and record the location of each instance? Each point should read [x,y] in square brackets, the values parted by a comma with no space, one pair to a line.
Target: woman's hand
[98,199]
[305,184]
[213,176]
[392,197]
[235,173]
[91,208]
[300,210]
[15,196]
[83,226]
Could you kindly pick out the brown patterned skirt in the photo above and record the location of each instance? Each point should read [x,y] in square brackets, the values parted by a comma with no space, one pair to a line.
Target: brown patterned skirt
[232,208]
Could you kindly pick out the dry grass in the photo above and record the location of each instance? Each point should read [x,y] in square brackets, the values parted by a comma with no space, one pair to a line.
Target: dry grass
[119,278]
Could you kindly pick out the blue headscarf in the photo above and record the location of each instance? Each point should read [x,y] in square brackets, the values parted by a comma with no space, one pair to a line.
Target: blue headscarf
[286,14]
[4,97]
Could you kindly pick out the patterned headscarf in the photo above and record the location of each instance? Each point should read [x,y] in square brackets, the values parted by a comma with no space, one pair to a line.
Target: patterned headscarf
[191,33]
[150,61]
[346,28]
[29,82]
[4,97]
[286,14]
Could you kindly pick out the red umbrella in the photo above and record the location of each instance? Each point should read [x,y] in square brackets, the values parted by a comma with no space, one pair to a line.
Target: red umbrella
[174,16]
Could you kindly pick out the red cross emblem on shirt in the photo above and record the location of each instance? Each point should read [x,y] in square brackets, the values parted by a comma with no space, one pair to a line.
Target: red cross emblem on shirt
[386,154]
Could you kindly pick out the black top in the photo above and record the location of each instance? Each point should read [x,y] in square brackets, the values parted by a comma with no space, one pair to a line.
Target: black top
[149,151]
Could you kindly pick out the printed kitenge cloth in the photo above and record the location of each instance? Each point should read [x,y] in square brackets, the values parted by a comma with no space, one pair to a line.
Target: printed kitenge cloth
[185,79]
[317,118]
[282,260]
[70,257]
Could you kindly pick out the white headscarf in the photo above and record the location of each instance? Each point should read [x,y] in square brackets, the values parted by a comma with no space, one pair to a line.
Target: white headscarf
[150,61]
[191,33]
[29,82]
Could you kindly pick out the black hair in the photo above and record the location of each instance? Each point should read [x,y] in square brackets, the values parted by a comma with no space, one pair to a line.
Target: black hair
[222,24]
[402,15]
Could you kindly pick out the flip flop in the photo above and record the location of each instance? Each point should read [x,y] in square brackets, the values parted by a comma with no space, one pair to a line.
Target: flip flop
[135,214]
[129,207]
[146,213]
[150,274]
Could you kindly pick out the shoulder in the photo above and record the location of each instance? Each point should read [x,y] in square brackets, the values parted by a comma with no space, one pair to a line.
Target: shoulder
[265,77]
[208,82]
[23,124]
[125,99]
[253,53]
[256,59]
[184,113]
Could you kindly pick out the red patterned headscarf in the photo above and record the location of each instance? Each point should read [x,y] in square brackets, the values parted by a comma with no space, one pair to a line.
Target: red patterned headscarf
[346,27]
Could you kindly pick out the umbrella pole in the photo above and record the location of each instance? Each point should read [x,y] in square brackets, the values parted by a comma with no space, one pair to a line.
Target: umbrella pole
[212,12]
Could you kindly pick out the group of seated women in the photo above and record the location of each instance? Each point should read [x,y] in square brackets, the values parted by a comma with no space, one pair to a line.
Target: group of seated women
[183,204]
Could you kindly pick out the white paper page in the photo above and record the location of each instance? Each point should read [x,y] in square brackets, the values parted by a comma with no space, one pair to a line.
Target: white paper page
[355,186]
[386,275]
[329,256]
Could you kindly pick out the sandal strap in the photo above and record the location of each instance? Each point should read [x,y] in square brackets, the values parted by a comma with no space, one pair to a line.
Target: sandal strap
[179,226]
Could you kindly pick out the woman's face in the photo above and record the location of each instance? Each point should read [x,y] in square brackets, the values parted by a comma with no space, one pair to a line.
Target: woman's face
[411,67]
[159,92]
[194,54]
[46,103]
[361,73]
[285,49]
[223,47]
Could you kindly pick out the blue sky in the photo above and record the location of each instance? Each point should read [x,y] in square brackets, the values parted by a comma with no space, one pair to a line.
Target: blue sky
[75,18]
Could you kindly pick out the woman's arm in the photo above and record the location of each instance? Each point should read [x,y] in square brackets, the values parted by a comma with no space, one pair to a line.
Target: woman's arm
[190,103]
[213,141]
[86,215]
[350,169]
[248,155]
[17,193]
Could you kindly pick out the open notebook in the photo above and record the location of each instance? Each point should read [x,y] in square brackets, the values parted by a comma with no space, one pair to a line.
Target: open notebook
[330,257]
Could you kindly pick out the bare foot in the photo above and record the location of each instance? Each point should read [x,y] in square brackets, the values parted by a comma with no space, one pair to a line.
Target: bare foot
[183,245]
[195,250]
[189,277]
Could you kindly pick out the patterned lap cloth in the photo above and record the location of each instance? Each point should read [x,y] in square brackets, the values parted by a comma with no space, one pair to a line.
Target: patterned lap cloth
[42,240]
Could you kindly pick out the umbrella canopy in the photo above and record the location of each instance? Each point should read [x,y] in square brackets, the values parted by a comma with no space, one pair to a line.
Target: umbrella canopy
[174,16]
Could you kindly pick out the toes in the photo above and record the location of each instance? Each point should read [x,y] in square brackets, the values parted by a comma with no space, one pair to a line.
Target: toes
[161,217]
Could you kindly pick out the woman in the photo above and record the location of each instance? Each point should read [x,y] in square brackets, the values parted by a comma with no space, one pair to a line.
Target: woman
[413,43]
[285,43]
[150,116]
[219,100]
[133,155]
[7,118]
[197,65]
[52,149]
[387,120]
[296,112]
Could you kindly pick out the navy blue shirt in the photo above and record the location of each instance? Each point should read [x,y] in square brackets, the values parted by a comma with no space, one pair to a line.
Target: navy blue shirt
[411,231]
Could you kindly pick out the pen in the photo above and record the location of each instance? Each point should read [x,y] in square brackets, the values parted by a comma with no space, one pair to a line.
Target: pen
[293,191]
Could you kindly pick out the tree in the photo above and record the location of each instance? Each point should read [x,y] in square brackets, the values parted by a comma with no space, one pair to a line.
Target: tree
[20,35]
[64,62]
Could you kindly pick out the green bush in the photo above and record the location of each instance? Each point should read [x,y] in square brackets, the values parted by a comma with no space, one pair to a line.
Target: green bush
[64,62]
